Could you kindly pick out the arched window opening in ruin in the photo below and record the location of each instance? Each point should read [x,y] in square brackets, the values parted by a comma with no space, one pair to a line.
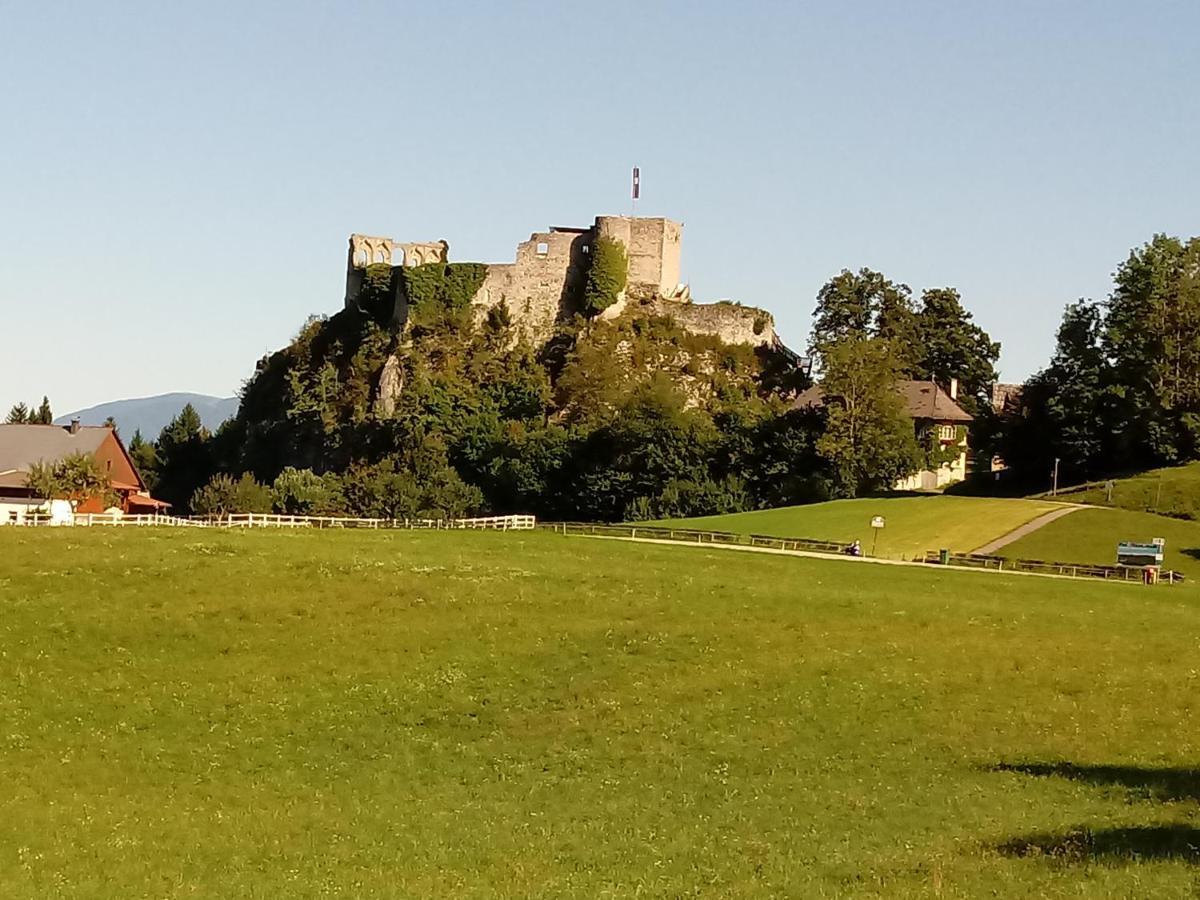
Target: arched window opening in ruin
[381,255]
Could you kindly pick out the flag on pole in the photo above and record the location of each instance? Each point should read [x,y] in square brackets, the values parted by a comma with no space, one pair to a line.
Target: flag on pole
[637,182]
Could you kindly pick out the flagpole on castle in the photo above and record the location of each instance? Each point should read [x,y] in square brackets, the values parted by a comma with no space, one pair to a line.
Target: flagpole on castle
[637,190]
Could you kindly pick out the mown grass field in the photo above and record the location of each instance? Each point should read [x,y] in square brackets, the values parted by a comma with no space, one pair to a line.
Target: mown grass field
[1092,535]
[914,523]
[1172,491]
[222,714]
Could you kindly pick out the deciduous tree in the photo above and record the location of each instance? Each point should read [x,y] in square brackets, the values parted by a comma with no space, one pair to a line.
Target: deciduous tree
[75,478]
[951,346]
[860,305]
[868,440]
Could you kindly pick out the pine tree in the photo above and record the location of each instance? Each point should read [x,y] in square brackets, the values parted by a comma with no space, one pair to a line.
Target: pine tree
[184,458]
[43,416]
[18,415]
[145,459]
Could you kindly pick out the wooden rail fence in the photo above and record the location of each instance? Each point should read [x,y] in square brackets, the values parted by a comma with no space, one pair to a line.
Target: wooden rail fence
[1040,567]
[692,536]
[831,548]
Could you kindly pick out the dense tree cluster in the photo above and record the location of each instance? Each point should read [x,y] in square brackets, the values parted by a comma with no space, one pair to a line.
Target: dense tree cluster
[868,335]
[1122,391]
[934,340]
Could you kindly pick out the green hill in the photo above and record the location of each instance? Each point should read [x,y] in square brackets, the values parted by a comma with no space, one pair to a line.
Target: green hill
[914,524]
[1173,491]
[1092,535]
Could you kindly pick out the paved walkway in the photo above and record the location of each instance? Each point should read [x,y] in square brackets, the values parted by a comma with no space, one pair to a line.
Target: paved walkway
[1028,528]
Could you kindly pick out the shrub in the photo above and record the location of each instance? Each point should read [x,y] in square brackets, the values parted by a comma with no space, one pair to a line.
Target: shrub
[607,276]
[302,492]
[498,317]
[381,491]
[223,495]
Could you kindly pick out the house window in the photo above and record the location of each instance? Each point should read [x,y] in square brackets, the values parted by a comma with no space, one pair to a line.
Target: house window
[543,248]
[947,433]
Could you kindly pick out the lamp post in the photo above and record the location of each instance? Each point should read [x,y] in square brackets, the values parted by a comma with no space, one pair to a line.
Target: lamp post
[1054,491]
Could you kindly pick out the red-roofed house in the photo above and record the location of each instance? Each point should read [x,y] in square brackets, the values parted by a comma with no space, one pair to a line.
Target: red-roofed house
[22,446]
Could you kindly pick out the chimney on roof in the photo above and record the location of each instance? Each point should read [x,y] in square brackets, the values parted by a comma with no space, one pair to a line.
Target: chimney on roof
[953,388]
[74,429]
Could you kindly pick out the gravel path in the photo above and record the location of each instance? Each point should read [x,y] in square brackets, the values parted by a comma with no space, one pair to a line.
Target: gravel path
[1028,528]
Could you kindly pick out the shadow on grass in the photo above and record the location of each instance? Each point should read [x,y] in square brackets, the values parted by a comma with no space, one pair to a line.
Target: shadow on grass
[1192,552]
[1127,844]
[1110,845]
[1166,784]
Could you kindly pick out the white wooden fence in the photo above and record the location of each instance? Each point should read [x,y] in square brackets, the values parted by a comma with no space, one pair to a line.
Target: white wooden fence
[266,520]
[270,520]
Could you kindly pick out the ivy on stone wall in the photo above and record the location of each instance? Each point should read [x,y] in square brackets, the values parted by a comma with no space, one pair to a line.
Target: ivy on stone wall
[380,297]
[607,274]
[447,285]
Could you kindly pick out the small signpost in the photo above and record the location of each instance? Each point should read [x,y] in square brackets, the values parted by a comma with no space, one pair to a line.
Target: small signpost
[877,522]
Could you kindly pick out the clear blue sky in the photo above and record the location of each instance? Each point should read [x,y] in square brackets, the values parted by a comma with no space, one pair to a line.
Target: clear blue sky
[177,181]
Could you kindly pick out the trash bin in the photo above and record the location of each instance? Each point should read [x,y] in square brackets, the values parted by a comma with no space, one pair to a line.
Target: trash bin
[944,557]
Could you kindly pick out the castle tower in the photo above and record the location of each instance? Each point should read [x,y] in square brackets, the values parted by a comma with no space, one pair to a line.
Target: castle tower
[653,246]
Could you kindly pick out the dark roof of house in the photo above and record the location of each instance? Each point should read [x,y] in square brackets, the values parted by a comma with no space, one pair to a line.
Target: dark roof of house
[23,445]
[922,400]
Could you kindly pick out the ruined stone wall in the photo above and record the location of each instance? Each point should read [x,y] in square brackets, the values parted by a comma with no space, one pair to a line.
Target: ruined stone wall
[731,323]
[542,286]
[653,246]
[418,254]
[368,249]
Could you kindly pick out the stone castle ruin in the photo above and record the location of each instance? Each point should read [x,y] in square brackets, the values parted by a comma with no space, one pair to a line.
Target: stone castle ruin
[541,286]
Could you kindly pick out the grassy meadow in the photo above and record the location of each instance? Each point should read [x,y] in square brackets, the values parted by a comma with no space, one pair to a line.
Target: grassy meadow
[373,714]
[915,523]
[1173,491]
[1092,535]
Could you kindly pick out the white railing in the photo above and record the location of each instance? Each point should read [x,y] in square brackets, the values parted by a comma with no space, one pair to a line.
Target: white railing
[85,520]
[270,520]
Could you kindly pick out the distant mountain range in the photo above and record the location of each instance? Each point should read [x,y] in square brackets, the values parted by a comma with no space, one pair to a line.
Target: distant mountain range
[150,415]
